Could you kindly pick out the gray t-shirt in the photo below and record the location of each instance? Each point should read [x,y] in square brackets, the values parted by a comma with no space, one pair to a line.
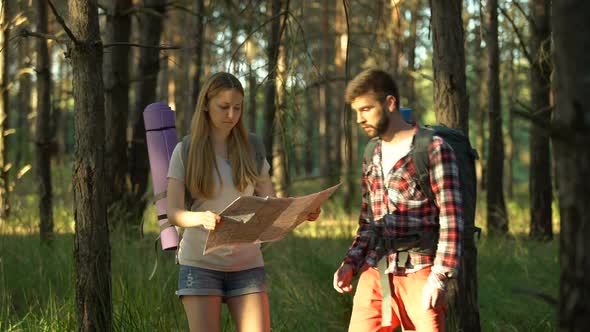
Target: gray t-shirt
[232,258]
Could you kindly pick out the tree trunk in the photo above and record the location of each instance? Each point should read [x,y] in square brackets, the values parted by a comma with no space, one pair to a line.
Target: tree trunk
[252,84]
[43,139]
[482,93]
[337,102]
[280,166]
[451,107]
[451,104]
[197,62]
[92,248]
[62,117]
[540,188]
[496,208]
[394,33]
[117,64]
[163,75]
[410,90]
[149,66]
[270,88]
[512,98]
[310,129]
[252,91]
[20,138]
[4,105]
[571,35]
[325,109]
[182,70]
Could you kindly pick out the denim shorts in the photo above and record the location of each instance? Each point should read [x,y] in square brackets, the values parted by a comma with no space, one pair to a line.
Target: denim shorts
[199,281]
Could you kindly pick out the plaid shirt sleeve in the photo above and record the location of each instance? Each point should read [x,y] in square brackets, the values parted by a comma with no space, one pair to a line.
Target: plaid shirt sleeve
[444,179]
[358,250]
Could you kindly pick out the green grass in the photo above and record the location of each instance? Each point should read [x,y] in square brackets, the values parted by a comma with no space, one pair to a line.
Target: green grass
[37,283]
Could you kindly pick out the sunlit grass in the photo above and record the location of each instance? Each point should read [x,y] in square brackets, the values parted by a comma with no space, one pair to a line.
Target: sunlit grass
[37,283]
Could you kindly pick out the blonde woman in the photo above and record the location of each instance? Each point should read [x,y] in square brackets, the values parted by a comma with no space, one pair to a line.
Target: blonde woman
[221,165]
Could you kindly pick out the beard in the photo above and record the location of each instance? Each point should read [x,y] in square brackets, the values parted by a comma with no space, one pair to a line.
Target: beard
[381,126]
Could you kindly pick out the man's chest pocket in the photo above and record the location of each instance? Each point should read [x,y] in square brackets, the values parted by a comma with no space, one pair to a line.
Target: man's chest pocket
[404,190]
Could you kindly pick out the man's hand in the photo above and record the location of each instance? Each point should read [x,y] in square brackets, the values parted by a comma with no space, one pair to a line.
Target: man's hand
[314,215]
[342,279]
[433,297]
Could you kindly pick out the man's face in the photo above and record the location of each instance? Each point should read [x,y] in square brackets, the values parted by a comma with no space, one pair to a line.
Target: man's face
[371,114]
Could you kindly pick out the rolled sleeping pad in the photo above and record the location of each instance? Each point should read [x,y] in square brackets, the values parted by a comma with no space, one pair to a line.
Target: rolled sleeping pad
[160,127]
[406,113]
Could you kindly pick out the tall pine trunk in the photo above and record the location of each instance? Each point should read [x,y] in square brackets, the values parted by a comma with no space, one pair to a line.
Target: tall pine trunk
[496,208]
[451,104]
[43,137]
[92,248]
[280,165]
[149,66]
[325,130]
[20,139]
[4,104]
[452,109]
[199,39]
[270,93]
[512,99]
[571,37]
[117,64]
[410,90]
[540,188]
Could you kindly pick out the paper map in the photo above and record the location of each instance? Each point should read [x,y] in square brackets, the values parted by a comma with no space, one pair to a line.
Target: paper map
[253,219]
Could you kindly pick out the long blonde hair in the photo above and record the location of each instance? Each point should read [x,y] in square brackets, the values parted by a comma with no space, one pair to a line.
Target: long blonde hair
[201,156]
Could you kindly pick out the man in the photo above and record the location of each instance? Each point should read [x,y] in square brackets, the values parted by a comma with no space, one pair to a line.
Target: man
[415,241]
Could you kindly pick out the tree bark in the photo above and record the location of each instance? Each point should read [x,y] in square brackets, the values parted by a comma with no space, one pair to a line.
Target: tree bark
[92,248]
[4,105]
[20,139]
[117,64]
[410,90]
[43,139]
[540,188]
[337,102]
[252,84]
[279,161]
[496,208]
[571,35]
[481,110]
[197,62]
[272,52]
[310,130]
[512,97]
[451,107]
[451,104]
[325,109]
[149,66]
[252,92]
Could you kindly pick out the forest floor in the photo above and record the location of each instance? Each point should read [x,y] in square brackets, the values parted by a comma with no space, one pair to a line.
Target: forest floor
[37,282]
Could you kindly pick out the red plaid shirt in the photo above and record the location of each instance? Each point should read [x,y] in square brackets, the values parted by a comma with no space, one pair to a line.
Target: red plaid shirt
[410,211]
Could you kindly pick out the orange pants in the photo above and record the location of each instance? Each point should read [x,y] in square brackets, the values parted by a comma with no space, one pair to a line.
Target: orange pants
[406,304]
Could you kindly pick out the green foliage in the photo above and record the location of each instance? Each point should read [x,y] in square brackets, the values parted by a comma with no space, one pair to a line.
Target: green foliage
[37,282]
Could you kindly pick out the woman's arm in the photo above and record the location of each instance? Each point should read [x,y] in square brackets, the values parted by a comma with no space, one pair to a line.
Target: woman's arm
[177,215]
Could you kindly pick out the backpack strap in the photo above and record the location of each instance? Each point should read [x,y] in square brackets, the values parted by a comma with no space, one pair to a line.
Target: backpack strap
[370,149]
[421,158]
[188,198]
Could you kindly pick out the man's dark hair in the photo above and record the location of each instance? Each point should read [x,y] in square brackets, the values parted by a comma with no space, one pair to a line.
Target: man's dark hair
[375,81]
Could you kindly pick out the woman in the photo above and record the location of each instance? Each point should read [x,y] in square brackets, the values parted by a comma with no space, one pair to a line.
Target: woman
[220,168]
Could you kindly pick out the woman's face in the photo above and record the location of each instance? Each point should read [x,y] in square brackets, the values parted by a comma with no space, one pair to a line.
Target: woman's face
[225,109]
